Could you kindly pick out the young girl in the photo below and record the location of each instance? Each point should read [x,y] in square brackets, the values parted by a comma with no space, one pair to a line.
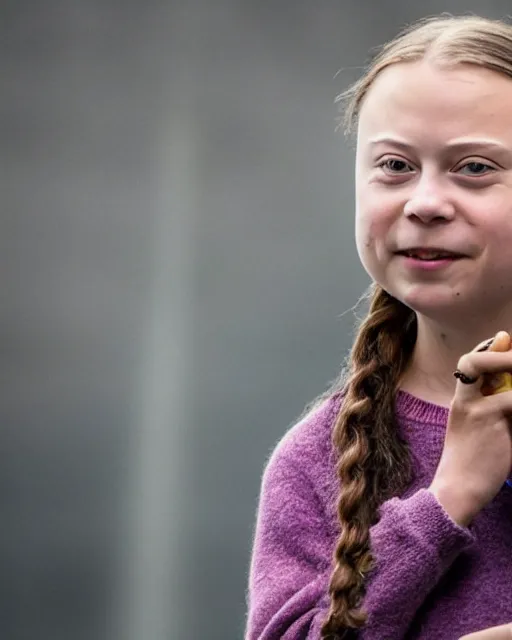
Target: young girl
[385,513]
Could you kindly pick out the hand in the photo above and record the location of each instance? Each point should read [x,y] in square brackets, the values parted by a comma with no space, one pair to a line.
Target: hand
[503,632]
[477,453]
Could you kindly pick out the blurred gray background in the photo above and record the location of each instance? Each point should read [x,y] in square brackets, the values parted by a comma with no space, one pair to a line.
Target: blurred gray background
[176,256]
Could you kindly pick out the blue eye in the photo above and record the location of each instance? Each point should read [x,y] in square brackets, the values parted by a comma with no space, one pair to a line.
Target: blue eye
[476,169]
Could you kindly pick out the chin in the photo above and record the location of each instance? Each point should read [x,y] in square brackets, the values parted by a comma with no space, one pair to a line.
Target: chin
[436,301]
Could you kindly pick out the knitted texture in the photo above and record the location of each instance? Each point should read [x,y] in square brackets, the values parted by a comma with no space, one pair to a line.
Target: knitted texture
[432,578]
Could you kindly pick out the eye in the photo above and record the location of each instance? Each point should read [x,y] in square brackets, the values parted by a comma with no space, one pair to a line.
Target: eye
[476,169]
[395,166]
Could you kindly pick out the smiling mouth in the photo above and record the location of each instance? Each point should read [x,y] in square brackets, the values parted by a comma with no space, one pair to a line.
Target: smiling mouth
[415,264]
[433,259]
[429,255]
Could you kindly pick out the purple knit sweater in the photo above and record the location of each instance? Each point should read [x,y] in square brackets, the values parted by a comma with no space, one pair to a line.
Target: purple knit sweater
[433,578]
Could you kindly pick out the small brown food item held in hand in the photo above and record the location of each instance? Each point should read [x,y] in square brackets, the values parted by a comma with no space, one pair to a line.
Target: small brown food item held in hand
[497,383]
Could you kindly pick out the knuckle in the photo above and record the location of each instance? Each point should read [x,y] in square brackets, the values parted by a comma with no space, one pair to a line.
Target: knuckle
[466,364]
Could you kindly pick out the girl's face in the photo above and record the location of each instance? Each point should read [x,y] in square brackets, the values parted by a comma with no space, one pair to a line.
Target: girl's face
[434,170]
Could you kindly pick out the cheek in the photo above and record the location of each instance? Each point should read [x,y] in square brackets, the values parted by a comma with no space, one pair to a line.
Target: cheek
[373,221]
[499,258]
[370,234]
[495,231]
[367,233]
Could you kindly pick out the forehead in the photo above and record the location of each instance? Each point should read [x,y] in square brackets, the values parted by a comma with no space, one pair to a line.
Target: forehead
[423,101]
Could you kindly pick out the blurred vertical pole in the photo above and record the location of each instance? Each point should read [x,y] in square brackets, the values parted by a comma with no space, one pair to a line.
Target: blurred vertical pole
[160,448]
[147,601]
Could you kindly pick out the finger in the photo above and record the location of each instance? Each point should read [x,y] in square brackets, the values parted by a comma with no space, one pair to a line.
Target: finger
[503,632]
[501,342]
[498,383]
[484,359]
[485,345]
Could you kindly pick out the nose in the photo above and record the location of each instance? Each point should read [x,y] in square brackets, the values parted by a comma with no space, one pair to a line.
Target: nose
[429,202]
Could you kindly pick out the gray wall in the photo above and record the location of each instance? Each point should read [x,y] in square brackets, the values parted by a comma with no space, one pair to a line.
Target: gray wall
[176,256]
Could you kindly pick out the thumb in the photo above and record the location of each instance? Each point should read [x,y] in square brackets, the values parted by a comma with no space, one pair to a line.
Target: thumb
[498,382]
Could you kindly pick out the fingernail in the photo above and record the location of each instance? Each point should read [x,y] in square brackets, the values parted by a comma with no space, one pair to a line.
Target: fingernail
[485,346]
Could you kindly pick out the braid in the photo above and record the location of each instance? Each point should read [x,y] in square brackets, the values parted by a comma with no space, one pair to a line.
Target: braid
[373,462]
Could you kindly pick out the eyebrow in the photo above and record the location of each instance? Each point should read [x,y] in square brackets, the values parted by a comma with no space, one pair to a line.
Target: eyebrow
[462,145]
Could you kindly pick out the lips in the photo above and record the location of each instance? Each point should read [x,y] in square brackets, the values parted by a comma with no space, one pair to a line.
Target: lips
[433,253]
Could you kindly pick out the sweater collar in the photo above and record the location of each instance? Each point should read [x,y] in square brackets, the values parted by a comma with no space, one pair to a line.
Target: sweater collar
[410,407]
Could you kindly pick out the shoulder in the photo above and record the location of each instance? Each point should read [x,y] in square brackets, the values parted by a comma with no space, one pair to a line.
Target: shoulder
[310,436]
[305,453]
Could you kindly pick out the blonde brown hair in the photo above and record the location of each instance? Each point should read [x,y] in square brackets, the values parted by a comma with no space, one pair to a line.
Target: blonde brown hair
[373,459]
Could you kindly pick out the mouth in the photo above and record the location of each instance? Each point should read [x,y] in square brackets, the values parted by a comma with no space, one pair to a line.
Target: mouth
[432,259]
[430,254]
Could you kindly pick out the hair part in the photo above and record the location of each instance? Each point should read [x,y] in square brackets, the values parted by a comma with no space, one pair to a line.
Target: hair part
[445,40]
[373,461]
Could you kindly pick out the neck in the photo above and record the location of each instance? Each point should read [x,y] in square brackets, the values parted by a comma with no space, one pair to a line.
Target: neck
[438,349]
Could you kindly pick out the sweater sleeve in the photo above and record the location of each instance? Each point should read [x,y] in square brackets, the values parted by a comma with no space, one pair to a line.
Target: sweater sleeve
[414,543]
